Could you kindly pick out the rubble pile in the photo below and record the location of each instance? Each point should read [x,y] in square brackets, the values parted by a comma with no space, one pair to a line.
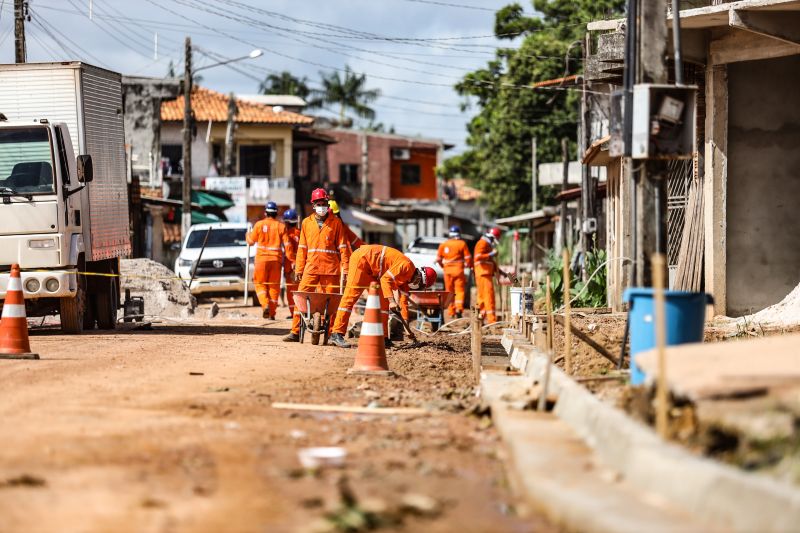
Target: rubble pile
[784,313]
[164,294]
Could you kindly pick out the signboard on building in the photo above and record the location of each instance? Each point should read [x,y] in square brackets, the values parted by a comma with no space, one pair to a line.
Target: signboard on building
[237,188]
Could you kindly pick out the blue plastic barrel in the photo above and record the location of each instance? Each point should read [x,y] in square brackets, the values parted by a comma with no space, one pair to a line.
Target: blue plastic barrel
[686,315]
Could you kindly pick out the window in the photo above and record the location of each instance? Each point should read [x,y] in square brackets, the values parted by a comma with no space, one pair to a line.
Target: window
[171,159]
[26,160]
[62,156]
[254,160]
[218,238]
[348,174]
[410,175]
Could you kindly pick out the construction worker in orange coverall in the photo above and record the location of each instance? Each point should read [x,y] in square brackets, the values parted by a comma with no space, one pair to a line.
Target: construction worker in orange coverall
[352,239]
[453,256]
[293,233]
[271,241]
[393,270]
[322,254]
[485,271]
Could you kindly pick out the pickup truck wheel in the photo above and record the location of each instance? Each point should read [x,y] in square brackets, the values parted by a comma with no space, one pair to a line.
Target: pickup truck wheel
[71,310]
[106,305]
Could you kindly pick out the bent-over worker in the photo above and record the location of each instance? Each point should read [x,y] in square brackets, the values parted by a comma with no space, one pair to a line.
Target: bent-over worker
[293,233]
[269,237]
[322,254]
[387,266]
[453,256]
[485,271]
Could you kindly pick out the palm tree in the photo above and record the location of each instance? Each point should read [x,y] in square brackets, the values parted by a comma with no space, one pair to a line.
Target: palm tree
[285,83]
[348,92]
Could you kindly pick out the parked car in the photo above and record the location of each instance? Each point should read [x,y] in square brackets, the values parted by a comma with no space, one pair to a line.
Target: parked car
[222,266]
[422,252]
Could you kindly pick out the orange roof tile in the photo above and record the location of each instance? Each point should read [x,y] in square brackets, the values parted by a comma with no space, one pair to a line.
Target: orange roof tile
[211,105]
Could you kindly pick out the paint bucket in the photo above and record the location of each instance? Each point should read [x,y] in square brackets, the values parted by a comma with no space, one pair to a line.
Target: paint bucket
[686,315]
[521,298]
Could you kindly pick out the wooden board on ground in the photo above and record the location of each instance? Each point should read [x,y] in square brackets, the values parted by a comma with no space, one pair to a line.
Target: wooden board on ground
[732,368]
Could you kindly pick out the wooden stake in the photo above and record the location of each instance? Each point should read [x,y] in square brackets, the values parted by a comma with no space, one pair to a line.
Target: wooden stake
[476,343]
[660,316]
[549,310]
[567,322]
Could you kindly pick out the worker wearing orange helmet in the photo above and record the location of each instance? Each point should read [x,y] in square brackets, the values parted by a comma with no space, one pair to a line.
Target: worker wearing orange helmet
[352,239]
[293,233]
[485,271]
[322,254]
[394,271]
[271,241]
[453,256]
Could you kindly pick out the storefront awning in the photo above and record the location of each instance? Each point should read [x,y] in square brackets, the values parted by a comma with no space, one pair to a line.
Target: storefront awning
[366,222]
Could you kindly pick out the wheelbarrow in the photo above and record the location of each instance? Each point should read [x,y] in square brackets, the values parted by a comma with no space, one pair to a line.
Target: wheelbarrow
[430,306]
[317,309]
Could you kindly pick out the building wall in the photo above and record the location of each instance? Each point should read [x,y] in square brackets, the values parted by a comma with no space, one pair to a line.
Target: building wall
[381,169]
[763,184]
[427,188]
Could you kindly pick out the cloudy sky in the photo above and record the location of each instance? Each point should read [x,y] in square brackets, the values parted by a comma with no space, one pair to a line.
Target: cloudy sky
[412,50]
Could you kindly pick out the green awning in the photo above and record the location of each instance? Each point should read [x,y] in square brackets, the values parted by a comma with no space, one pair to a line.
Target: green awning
[204,218]
[218,199]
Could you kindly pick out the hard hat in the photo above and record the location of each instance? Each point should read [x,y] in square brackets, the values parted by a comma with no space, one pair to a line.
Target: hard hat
[271,207]
[290,215]
[428,277]
[495,232]
[455,230]
[318,194]
[334,205]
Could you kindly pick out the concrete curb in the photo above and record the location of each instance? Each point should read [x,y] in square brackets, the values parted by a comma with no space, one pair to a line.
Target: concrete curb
[712,491]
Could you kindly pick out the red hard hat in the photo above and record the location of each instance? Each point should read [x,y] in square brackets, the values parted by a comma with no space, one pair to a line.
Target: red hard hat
[428,277]
[495,232]
[319,194]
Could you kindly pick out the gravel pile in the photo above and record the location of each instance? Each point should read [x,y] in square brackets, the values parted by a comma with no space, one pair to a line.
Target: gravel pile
[164,294]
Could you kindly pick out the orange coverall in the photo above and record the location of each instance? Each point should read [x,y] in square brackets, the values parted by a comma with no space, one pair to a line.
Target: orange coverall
[271,242]
[322,255]
[373,262]
[293,233]
[485,271]
[454,256]
[352,239]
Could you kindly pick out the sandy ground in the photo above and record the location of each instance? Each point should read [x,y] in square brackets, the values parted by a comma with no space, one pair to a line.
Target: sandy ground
[173,430]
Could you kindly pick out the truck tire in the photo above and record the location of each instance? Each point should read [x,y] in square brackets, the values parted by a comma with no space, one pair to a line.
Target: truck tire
[72,310]
[106,306]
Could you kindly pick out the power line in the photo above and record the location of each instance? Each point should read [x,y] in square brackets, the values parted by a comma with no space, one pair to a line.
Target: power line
[449,4]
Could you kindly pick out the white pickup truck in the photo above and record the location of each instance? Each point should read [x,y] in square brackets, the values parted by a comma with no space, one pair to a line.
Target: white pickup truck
[60,215]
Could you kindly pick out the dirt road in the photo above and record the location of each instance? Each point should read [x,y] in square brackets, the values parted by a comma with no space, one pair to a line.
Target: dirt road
[173,430]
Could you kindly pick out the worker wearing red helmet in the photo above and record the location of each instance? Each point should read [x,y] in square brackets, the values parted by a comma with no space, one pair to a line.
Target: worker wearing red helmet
[453,256]
[322,255]
[271,241]
[394,271]
[485,271]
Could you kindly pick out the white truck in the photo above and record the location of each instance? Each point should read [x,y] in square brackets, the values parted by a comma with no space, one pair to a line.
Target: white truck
[63,219]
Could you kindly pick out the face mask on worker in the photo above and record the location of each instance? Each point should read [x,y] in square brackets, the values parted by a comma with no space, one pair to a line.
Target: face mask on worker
[321,210]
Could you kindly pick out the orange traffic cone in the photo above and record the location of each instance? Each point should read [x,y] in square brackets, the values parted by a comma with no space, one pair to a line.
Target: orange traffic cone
[14,342]
[371,355]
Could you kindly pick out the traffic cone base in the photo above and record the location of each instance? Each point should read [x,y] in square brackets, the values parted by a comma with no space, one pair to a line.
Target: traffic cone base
[371,355]
[14,342]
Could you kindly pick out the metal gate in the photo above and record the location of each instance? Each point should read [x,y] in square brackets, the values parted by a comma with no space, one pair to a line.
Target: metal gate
[679,178]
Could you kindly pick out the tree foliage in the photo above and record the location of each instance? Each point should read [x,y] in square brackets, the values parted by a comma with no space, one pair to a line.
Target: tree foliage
[285,83]
[510,113]
[347,92]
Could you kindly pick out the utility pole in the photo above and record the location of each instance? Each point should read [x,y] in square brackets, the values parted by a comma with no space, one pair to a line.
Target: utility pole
[186,219]
[564,186]
[20,12]
[364,169]
[232,110]
[651,191]
[534,176]
[587,185]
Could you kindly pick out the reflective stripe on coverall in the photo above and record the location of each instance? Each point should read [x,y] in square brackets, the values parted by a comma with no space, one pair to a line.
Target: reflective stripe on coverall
[485,270]
[293,234]
[371,263]
[322,255]
[269,237]
[454,256]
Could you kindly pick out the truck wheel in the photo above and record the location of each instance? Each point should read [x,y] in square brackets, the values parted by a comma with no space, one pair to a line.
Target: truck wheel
[106,305]
[71,310]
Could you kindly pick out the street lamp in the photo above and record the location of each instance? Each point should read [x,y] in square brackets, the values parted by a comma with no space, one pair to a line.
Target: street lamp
[186,219]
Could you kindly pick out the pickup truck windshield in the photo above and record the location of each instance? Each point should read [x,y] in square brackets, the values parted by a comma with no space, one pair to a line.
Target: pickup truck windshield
[26,160]
[218,238]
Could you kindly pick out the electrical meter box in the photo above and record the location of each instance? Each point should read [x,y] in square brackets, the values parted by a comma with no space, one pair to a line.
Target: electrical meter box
[664,121]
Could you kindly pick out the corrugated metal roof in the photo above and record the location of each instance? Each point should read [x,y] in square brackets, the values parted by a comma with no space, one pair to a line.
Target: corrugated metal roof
[212,106]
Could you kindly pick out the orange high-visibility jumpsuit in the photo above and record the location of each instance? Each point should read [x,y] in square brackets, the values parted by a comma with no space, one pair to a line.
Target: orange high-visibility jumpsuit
[454,256]
[293,234]
[271,242]
[485,271]
[322,255]
[374,263]
[352,239]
